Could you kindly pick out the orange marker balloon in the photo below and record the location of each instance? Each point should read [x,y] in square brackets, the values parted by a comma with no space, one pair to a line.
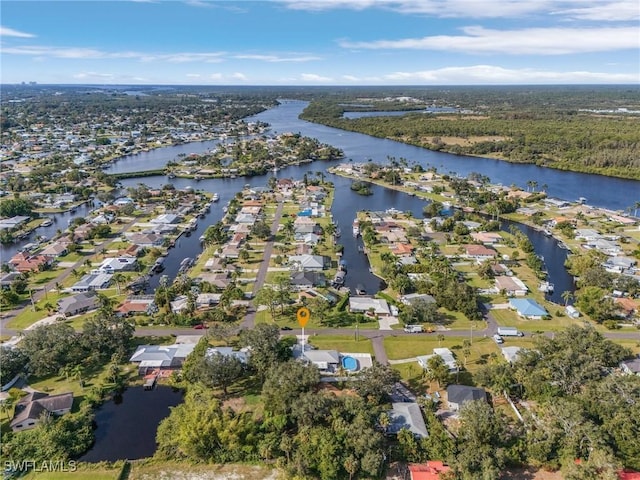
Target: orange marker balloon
[303,316]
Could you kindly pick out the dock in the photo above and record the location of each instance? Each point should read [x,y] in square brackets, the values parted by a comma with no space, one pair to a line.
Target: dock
[150,382]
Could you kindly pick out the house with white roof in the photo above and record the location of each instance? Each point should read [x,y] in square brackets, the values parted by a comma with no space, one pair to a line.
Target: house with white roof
[158,357]
[444,353]
[362,304]
[114,265]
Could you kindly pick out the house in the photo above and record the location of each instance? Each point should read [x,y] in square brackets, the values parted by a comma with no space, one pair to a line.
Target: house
[166,218]
[31,408]
[427,471]
[307,262]
[308,279]
[631,367]
[137,305]
[458,395]
[412,298]
[528,308]
[56,249]
[114,265]
[206,300]
[92,281]
[513,286]
[364,304]
[444,353]
[6,279]
[24,262]
[479,252]
[242,354]
[160,357]
[627,307]
[327,361]
[510,354]
[407,415]
[487,238]
[13,222]
[401,249]
[146,239]
[76,304]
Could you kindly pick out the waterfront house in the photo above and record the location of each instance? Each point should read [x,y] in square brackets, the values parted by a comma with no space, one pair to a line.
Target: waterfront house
[479,252]
[411,298]
[307,262]
[32,408]
[166,218]
[159,357]
[24,262]
[114,265]
[458,395]
[92,281]
[242,354]
[362,304]
[487,238]
[308,279]
[77,304]
[146,240]
[513,286]
[528,308]
[137,305]
[55,250]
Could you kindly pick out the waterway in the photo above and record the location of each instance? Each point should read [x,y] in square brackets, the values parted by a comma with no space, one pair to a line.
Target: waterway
[126,426]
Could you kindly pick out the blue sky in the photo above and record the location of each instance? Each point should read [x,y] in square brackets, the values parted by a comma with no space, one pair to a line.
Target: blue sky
[321,42]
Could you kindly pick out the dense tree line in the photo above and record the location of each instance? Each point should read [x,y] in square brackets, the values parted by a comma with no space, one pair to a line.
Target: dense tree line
[561,137]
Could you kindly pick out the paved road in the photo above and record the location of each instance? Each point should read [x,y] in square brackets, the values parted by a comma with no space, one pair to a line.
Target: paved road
[250,319]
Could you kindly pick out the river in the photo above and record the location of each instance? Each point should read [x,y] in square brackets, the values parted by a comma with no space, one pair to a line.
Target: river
[600,191]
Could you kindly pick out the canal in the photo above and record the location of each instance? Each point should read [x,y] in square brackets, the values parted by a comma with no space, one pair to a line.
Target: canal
[126,426]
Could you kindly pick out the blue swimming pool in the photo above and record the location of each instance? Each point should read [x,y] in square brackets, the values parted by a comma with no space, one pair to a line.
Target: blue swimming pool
[349,363]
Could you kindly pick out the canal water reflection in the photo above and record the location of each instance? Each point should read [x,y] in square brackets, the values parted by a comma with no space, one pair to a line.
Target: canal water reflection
[127,426]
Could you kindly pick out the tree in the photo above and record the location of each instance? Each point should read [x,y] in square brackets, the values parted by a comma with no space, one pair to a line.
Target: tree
[50,347]
[106,335]
[420,311]
[438,371]
[285,382]
[221,371]
[376,382]
[77,372]
[567,296]
[266,347]
[12,362]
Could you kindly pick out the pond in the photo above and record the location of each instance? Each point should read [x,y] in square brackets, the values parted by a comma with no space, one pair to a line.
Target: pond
[127,425]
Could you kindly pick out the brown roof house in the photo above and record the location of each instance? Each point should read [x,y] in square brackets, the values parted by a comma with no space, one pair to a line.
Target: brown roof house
[33,407]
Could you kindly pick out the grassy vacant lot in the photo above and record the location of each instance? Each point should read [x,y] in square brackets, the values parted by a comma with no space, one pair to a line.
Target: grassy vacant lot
[85,471]
[154,470]
[342,343]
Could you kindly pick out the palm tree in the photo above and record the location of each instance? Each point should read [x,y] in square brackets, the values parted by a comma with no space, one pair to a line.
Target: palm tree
[566,296]
[7,405]
[66,371]
[77,373]
[440,339]
[118,278]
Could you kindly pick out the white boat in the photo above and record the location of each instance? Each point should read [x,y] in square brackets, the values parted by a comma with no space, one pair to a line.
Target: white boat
[546,287]
[392,211]
[47,223]
[215,197]
[356,228]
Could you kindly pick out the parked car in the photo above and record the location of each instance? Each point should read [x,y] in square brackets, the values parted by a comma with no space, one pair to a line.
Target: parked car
[498,339]
[200,326]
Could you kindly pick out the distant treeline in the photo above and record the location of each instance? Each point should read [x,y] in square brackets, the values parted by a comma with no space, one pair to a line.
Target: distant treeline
[549,128]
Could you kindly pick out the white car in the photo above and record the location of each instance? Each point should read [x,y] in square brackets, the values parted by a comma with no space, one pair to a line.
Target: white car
[498,339]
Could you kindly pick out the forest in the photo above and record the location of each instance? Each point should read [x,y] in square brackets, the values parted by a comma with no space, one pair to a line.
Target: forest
[583,130]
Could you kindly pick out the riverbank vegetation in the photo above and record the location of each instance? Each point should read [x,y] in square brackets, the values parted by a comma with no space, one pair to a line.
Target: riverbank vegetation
[552,127]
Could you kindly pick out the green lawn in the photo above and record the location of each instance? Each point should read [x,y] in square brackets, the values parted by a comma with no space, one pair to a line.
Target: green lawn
[153,470]
[342,343]
[83,472]
[509,318]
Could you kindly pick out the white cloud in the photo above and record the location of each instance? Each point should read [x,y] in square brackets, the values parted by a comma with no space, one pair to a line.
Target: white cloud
[193,75]
[531,41]
[490,74]
[276,59]
[10,32]
[215,76]
[312,77]
[239,76]
[93,75]
[597,10]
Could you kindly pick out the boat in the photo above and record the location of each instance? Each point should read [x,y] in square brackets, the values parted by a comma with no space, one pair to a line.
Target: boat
[343,265]
[392,211]
[47,223]
[185,264]
[337,233]
[215,197]
[582,200]
[171,175]
[546,287]
[338,280]
[224,209]
[360,289]
[202,238]
[158,266]
[356,228]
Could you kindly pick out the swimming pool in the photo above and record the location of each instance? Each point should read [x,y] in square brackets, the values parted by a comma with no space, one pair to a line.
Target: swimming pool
[349,363]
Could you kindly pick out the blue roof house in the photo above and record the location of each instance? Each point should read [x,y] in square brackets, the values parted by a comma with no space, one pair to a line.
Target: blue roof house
[528,308]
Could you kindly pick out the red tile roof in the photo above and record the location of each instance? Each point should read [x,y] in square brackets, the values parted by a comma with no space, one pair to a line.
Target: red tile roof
[428,471]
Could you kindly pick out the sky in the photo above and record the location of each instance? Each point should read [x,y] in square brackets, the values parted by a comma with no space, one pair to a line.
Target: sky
[320,42]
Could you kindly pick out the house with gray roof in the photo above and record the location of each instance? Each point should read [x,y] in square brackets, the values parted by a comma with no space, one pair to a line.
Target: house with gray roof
[92,281]
[308,279]
[160,357]
[77,304]
[458,395]
[242,354]
[32,408]
[307,262]
[407,415]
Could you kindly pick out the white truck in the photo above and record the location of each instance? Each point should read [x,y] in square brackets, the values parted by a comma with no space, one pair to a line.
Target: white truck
[413,328]
[509,332]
